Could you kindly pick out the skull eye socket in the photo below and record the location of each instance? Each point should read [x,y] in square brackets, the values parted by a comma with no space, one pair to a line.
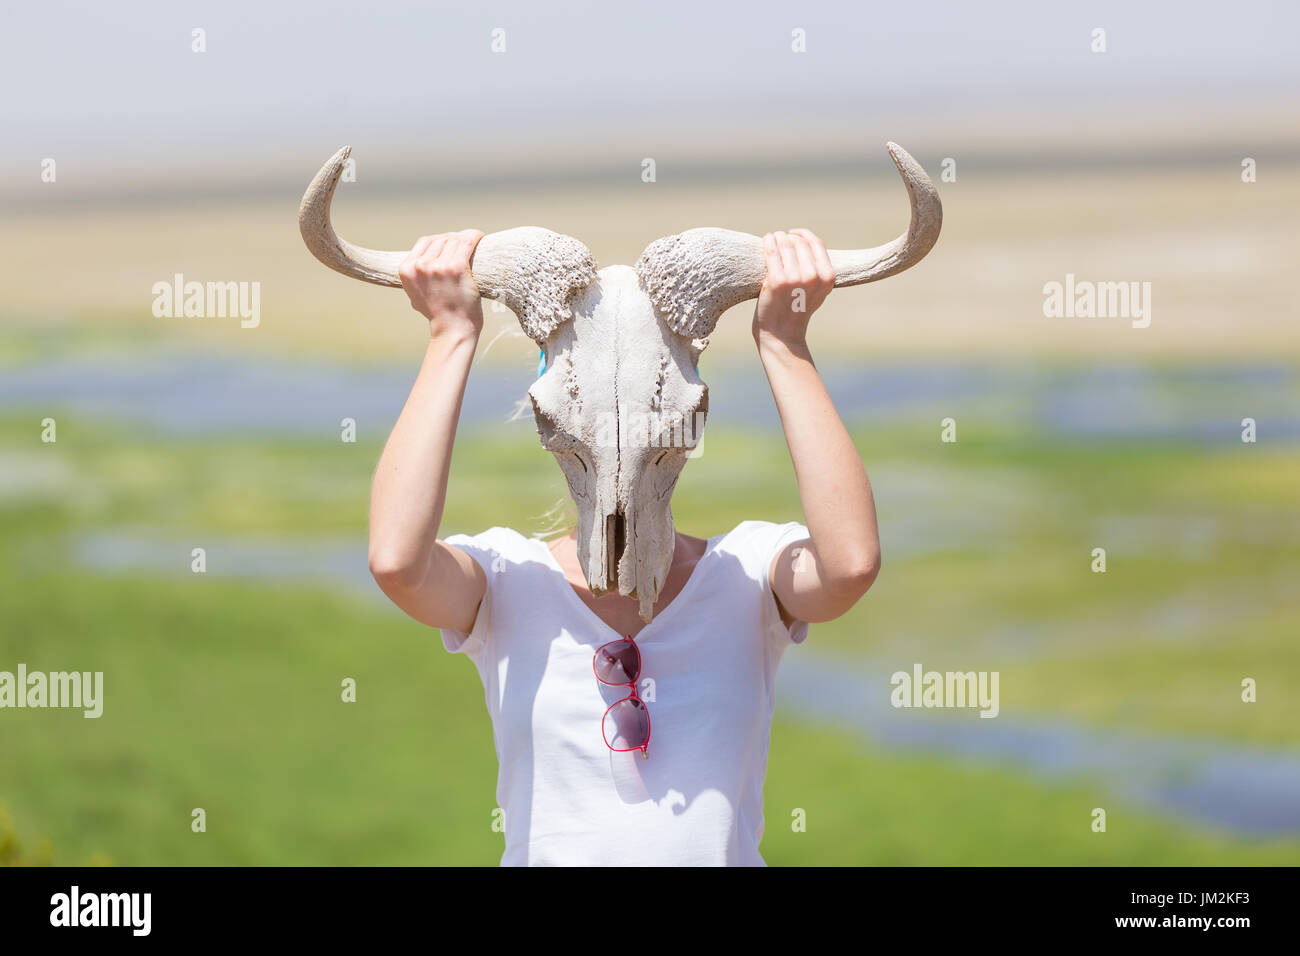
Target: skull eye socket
[665,478]
[553,436]
[556,439]
[576,472]
[680,426]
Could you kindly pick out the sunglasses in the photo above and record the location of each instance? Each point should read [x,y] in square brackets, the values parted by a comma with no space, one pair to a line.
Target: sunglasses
[626,722]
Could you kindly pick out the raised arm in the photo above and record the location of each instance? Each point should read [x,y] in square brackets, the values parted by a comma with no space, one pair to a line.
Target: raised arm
[433,582]
[821,578]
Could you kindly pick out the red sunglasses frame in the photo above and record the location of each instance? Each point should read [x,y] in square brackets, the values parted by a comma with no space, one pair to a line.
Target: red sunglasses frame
[633,695]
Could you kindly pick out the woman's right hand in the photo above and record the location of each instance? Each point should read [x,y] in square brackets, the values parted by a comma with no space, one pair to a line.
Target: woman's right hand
[437,279]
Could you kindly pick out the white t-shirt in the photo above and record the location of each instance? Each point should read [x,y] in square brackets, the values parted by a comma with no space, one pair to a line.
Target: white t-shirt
[712,656]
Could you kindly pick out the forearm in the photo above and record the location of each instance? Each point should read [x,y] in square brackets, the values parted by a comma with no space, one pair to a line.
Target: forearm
[410,485]
[833,486]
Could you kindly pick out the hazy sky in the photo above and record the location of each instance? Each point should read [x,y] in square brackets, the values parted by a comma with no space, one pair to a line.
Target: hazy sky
[120,79]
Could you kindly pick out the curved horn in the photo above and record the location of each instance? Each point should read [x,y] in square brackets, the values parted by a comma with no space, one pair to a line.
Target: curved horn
[697,275]
[532,270]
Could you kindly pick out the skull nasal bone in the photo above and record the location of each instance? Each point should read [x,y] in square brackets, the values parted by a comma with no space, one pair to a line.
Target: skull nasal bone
[615,541]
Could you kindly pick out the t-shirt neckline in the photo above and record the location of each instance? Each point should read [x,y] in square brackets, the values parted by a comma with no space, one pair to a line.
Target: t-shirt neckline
[691,582]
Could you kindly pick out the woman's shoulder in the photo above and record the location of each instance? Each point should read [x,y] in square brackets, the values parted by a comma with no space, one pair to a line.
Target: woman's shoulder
[757,542]
[497,539]
[753,530]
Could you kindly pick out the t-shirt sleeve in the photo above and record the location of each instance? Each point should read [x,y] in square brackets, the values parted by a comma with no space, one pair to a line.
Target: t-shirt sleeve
[766,544]
[488,550]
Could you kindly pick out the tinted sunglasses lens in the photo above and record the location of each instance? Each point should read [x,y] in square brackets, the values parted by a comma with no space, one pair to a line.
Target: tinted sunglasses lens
[618,662]
[627,725]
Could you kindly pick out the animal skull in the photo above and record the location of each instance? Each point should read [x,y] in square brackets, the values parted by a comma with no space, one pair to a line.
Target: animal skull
[621,404]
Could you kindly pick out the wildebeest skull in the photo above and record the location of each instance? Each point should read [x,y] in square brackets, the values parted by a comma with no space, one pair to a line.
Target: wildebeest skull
[621,404]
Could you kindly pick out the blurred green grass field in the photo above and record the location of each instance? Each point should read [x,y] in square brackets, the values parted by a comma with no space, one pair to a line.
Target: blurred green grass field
[224,693]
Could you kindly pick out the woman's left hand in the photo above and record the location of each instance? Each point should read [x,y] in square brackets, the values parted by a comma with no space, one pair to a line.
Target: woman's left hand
[799,278]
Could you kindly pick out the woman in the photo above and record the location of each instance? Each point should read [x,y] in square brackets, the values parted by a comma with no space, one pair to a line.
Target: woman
[576,685]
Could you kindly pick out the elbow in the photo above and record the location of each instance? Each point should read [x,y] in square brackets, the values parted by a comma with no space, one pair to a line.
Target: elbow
[393,572]
[842,584]
[870,570]
[855,579]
